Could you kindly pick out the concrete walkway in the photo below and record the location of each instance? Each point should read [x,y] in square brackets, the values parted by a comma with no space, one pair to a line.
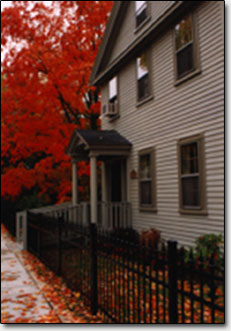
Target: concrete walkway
[21,299]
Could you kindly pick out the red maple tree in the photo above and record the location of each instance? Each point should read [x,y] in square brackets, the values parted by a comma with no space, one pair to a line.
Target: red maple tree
[45,91]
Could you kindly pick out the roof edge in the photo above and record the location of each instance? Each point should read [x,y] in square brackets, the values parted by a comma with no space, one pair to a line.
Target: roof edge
[118,6]
[97,77]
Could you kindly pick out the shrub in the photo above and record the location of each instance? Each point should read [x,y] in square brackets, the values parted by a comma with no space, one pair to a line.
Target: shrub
[150,237]
[126,235]
[118,240]
[209,247]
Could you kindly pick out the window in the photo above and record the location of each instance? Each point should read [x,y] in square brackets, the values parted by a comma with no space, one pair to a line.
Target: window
[192,186]
[111,107]
[147,180]
[186,60]
[113,90]
[142,77]
[141,12]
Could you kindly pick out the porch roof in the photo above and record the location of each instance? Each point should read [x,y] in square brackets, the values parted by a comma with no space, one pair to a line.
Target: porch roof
[85,143]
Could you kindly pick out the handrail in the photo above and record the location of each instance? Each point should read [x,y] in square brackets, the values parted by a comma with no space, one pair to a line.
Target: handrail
[115,214]
[111,215]
[51,207]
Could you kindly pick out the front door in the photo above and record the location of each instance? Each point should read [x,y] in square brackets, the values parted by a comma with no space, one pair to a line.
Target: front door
[117,193]
[116,187]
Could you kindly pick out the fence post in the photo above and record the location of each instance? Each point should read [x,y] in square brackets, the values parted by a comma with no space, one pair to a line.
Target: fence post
[172,279]
[25,229]
[94,290]
[39,237]
[18,219]
[60,223]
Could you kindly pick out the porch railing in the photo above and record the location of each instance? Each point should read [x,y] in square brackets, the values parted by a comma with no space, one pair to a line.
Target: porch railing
[114,215]
[111,215]
[21,218]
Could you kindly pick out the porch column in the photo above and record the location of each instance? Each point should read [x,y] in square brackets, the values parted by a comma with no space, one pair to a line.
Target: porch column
[104,194]
[74,183]
[104,182]
[93,188]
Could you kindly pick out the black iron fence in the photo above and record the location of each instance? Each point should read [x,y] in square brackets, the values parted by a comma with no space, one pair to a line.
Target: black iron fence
[129,281]
[132,281]
[64,247]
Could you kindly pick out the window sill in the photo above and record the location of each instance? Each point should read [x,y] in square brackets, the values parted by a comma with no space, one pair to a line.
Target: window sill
[193,212]
[142,24]
[140,103]
[187,77]
[148,209]
[114,118]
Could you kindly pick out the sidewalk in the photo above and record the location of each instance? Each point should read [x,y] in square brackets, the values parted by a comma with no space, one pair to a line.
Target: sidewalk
[21,299]
[31,293]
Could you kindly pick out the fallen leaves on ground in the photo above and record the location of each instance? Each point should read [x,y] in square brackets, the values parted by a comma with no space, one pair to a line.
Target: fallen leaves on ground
[66,306]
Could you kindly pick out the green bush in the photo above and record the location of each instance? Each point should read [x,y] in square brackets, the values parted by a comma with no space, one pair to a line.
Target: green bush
[208,249]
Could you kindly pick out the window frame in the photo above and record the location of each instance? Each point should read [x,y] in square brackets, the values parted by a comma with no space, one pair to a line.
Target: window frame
[195,53]
[144,6]
[190,210]
[115,97]
[141,101]
[153,206]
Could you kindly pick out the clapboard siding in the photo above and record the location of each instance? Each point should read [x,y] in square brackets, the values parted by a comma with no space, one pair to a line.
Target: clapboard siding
[126,35]
[194,107]
[158,8]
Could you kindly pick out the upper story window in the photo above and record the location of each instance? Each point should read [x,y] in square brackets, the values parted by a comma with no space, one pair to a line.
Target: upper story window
[142,77]
[192,177]
[186,55]
[147,187]
[111,109]
[141,12]
[113,90]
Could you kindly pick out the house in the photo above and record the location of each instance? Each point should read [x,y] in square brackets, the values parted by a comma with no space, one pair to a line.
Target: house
[160,68]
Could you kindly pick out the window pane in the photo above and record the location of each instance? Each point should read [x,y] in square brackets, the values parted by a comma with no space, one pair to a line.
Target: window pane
[143,78]
[140,4]
[141,12]
[189,157]
[113,88]
[142,66]
[183,32]
[190,192]
[145,166]
[185,60]
[146,193]
[140,17]
[143,87]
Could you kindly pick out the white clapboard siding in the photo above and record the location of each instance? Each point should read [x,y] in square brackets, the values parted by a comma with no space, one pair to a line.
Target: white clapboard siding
[126,33]
[175,112]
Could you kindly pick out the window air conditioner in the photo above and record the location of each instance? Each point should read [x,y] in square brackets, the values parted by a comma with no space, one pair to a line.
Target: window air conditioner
[111,109]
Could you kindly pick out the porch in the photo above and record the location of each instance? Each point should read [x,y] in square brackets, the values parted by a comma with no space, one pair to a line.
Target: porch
[110,215]
[109,151]
[105,149]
